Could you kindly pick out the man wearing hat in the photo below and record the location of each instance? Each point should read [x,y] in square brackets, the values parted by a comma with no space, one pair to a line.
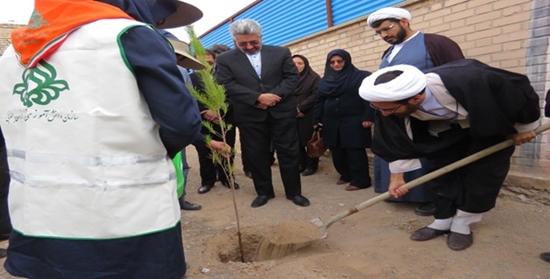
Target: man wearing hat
[93,109]
[423,51]
[452,111]
[185,61]
[211,171]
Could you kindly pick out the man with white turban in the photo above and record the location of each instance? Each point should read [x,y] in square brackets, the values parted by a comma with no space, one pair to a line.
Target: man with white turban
[423,51]
[448,113]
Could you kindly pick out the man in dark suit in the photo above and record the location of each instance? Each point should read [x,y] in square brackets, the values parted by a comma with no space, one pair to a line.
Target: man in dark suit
[260,81]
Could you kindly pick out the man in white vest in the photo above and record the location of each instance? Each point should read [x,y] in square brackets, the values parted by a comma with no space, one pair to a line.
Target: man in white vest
[93,109]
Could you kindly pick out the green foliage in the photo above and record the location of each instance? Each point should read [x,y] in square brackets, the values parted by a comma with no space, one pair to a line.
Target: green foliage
[213,98]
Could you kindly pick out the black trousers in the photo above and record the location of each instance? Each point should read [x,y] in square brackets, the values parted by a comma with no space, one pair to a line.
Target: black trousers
[306,161]
[256,139]
[210,171]
[473,188]
[5,223]
[352,164]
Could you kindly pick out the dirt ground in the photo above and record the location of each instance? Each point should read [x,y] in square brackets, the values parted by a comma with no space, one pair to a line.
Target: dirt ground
[373,243]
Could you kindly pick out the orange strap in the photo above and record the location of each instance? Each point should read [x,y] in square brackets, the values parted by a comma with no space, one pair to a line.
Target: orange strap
[52,21]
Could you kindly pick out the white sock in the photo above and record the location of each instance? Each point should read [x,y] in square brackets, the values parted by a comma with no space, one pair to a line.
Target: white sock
[441,224]
[462,220]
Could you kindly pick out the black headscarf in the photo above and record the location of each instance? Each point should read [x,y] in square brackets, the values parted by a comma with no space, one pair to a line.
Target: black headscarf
[335,83]
[308,77]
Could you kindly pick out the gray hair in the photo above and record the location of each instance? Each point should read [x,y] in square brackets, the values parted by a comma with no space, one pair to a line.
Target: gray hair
[245,27]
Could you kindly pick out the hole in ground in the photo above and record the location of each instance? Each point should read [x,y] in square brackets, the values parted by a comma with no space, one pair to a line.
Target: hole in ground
[225,245]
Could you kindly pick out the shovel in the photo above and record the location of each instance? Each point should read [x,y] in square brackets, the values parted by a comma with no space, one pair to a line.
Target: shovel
[423,179]
[270,249]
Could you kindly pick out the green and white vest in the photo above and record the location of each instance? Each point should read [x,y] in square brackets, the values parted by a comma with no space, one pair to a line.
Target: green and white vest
[85,156]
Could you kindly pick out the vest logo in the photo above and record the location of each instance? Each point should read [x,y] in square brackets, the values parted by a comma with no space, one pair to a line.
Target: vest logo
[39,85]
[37,21]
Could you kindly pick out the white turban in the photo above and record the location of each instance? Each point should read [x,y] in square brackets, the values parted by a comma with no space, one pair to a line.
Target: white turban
[411,82]
[387,13]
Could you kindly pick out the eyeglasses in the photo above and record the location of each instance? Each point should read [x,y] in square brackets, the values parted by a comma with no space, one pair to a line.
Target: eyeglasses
[339,61]
[252,43]
[387,111]
[385,29]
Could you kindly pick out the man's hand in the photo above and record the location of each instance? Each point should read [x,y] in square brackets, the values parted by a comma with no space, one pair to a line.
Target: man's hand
[318,126]
[366,124]
[396,181]
[300,115]
[521,138]
[262,106]
[220,147]
[268,99]
[210,116]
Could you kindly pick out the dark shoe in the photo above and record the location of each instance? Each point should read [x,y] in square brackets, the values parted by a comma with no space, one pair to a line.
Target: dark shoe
[308,171]
[261,200]
[299,200]
[235,184]
[457,241]
[354,188]
[545,256]
[3,253]
[190,206]
[205,188]
[425,209]
[341,181]
[248,174]
[426,233]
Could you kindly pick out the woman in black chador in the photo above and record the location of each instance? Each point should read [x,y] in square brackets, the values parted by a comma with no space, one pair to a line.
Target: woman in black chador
[345,119]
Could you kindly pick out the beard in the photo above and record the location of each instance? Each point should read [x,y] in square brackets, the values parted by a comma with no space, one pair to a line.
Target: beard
[400,37]
[409,109]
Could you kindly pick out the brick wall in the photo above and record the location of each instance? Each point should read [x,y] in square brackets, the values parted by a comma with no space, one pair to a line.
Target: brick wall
[5,30]
[510,34]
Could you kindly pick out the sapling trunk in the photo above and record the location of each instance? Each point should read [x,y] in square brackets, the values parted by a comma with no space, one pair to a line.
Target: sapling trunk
[214,99]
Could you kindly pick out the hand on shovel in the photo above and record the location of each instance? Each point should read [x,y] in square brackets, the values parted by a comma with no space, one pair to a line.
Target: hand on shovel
[521,138]
[396,181]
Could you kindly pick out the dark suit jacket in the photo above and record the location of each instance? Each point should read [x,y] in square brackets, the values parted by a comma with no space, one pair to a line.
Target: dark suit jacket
[243,86]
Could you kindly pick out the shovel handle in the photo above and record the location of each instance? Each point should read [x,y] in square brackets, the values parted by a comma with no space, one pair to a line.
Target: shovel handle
[427,177]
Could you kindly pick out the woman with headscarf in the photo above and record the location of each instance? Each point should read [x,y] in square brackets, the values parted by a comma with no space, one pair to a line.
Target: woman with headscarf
[345,119]
[305,93]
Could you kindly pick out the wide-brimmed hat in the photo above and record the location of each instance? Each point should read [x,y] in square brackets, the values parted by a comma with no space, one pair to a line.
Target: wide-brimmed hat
[184,15]
[189,62]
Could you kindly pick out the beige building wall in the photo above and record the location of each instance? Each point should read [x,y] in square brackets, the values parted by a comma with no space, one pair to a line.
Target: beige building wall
[5,30]
[509,34]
